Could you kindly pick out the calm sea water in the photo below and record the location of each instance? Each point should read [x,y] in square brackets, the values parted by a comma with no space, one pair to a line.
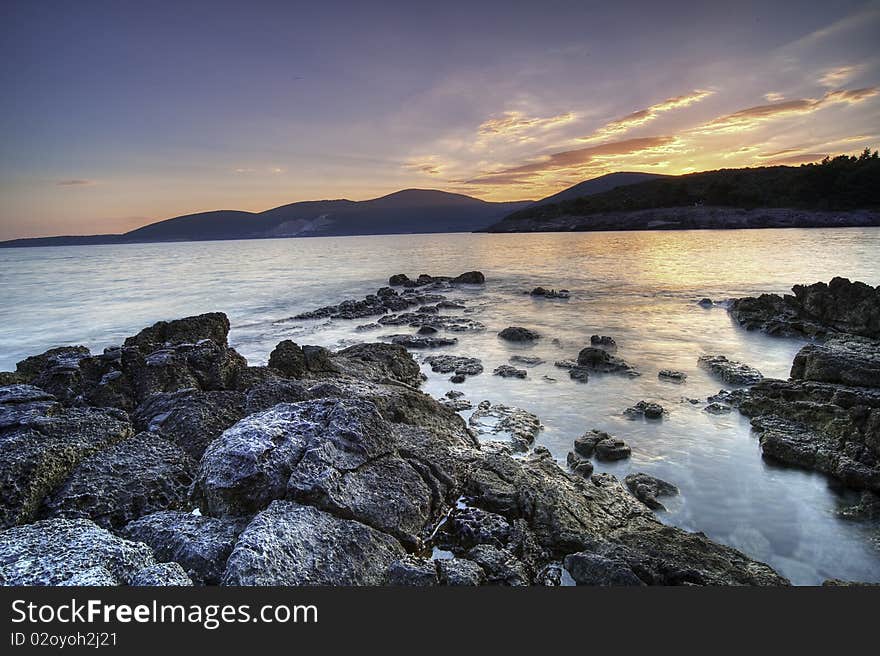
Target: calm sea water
[639,287]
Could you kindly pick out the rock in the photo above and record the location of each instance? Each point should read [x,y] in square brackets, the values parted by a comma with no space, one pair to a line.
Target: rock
[268,394]
[579,465]
[160,575]
[290,545]
[507,423]
[454,401]
[717,409]
[460,572]
[61,551]
[594,569]
[464,366]
[287,358]
[645,409]
[518,334]
[213,326]
[447,322]
[398,279]
[506,371]
[135,477]
[706,303]
[16,394]
[585,445]
[647,488]
[318,360]
[814,310]
[457,378]
[672,376]
[500,566]
[550,293]
[420,342]
[367,327]
[379,363]
[565,364]
[603,341]
[190,418]
[732,398]
[526,360]
[580,374]
[427,330]
[868,507]
[470,278]
[843,359]
[200,545]
[468,527]
[612,448]
[42,446]
[600,360]
[412,571]
[730,371]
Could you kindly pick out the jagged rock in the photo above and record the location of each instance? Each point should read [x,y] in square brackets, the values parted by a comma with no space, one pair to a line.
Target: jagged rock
[550,293]
[15,394]
[717,409]
[868,507]
[268,394]
[588,568]
[468,527]
[580,374]
[213,326]
[420,342]
[65,551]
[579,465]
[289,544]
[287,358]
[135,477]
[601,361]
[161,574]
[732,398]
[730,371]
[445,364]
[190,418]
[447,322]
[398,279]
[526,360]
[646,409]
[515,425]
[518,334]
[647,488]
[470,278]
[501,567]
[42,446]
[506,371]
[457,378]
[603,341]
[843,359]
[378,363]
[367,327]
[612,448]
[427,330]
[412,571]
[672,376]
[460,572]
[200,545]
[814,310]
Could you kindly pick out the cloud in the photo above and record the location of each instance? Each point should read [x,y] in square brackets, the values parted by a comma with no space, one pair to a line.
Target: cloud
[572,159]
[835,77]
[803,158]
[751,117]
[516,125]
[773,97]
[643,116]
[75,183]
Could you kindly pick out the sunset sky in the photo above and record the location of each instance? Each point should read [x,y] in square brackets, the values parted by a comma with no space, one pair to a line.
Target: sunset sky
[116,114]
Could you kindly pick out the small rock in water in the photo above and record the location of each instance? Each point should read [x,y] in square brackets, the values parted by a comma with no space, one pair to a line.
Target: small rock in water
[672,376]
[427,330]
[601,361]
[603,341]
[730,371]
[579,465]
[506,371]
[647,488]
[602,445]
[550,293]
[717,409]
[612,448]
[458,364]
[646,409]
[518,334]
[580,374]
[412,341]
[367,327]
[526,360]
[457,378]
[565,364]
[705,302]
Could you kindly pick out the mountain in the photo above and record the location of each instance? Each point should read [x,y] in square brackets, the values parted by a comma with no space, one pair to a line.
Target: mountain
[598,185]
[844,191]
[404,212]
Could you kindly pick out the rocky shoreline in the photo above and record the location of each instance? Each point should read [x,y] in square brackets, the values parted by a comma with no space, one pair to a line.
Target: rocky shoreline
[169,460]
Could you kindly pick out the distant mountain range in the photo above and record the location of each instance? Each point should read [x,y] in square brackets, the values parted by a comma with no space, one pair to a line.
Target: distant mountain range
[409,211]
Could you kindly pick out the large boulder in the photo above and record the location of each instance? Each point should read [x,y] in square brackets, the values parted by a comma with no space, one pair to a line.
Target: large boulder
[288,359]
[200,545]
[42,443]
[844,359]
[70,552]
[116,485]
[213,326]
[291,545]
[379,363]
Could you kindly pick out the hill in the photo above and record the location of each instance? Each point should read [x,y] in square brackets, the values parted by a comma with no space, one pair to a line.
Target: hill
[407,211]
[840,191]
[598,185]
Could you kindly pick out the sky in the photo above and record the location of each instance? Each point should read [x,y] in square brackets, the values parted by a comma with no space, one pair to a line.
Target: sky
[117,114]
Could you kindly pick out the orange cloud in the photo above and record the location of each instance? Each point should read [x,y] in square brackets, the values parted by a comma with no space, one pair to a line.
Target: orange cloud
[515,123]
[647,115]
[834,77]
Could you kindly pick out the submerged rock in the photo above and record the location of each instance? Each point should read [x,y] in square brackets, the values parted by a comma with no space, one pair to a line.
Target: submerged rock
[518,426]
[526,360]
[715,408]
[730,371]
[599,360]
[461,365]
[647,488]
[603,341]
[518,334]
[420,342]
[549,293]
[672,375]
[645,409]
[506,371]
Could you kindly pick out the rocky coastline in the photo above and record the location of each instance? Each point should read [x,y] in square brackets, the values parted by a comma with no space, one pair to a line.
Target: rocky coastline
[169,460]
